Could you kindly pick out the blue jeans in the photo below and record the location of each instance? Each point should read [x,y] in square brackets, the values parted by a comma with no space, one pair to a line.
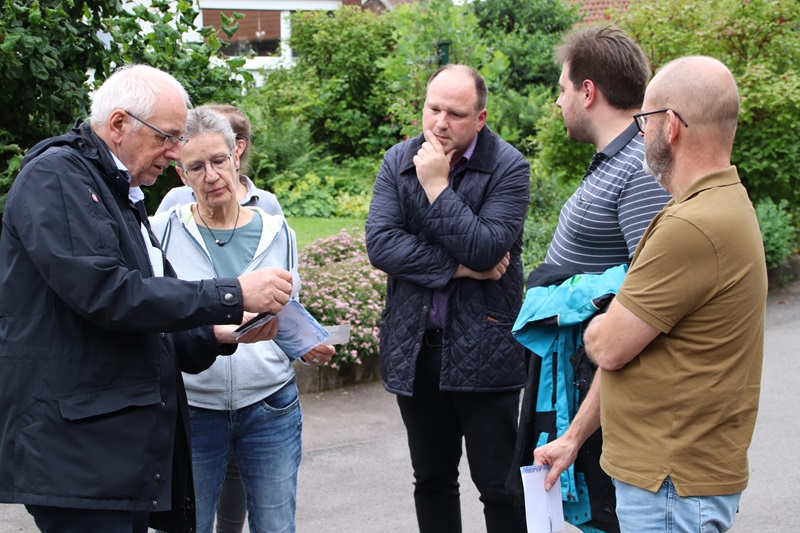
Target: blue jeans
[642,511]
[266,437]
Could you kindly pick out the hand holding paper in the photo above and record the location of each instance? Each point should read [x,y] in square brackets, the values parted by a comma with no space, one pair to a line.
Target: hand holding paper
[544,511]
[259,330]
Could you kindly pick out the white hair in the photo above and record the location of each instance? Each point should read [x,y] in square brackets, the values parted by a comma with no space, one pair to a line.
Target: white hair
[135,89]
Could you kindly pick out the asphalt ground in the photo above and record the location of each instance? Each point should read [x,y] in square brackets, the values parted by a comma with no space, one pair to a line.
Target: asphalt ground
[356,475]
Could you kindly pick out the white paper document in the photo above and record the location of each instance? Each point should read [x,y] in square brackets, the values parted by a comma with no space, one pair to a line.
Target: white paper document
[339,334]
[544,511]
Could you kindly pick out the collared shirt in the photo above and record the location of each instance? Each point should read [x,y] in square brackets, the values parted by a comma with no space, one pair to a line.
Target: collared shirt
[600,225]
[438,311]
[464,159]
[136,195]
[686,406]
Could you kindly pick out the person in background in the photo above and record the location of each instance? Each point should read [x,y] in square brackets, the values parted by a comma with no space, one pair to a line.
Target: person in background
[248,405]
[95,329]
[445,222]
[681,346]
[232,509]
[603,78]
[246,191]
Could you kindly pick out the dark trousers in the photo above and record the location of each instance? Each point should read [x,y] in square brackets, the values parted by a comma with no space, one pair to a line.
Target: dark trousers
[62,520]
[436,422]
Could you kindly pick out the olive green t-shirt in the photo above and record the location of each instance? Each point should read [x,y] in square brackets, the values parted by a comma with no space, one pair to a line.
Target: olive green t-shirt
[685,407]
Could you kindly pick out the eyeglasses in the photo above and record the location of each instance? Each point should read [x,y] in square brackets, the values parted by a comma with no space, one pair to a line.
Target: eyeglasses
[220,163]
[641,118]
[168,140]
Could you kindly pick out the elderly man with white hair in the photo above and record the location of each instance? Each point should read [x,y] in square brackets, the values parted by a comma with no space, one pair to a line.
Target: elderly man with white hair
[95,329]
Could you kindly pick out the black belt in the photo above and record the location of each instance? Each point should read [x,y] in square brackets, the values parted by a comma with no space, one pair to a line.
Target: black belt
[433,337]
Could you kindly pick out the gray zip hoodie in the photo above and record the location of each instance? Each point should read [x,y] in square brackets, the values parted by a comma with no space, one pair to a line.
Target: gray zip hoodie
[257,370]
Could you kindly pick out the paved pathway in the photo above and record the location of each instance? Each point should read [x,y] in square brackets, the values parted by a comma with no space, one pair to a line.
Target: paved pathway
[356,475]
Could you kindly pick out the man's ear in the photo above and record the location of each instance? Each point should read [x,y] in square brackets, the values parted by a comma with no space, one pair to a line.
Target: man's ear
[117,125]
[481,120]
[590,93]
[674,127]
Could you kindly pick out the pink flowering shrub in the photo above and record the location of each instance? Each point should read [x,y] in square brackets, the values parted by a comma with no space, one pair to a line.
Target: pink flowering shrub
[341,286]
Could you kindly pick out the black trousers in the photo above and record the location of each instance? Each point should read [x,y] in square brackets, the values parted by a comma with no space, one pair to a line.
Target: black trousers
[63,520]
[436,421]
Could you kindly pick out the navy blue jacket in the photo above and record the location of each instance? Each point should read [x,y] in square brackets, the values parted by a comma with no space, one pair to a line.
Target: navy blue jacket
[90,386]
[419,245]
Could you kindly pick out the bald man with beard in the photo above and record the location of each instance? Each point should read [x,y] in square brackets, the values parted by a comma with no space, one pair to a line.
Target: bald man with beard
[681,346]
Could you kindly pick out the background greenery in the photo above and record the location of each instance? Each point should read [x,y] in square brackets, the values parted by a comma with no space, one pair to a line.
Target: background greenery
[309,229]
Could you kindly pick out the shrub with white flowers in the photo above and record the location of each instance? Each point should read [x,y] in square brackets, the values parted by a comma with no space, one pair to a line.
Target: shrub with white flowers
[341,286]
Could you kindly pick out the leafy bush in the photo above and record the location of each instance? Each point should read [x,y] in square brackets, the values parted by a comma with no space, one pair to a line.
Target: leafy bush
[53,53]
[759,40]
[280,142]
[526,31]
[329,190]
[335,87]
[12,159]
[419,31]
[514,116]
[777,231]
[341,286]
[548,195]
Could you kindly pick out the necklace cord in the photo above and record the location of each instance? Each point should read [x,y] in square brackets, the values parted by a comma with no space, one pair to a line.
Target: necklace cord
[217,241]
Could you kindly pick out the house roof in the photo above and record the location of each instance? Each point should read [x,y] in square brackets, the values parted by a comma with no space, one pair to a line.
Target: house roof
[384,5]
[595,11]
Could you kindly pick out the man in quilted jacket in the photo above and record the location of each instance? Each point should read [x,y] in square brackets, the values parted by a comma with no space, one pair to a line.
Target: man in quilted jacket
[445,224]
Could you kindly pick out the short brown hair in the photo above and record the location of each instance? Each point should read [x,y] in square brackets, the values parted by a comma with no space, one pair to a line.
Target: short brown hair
[241,127]
[609,58]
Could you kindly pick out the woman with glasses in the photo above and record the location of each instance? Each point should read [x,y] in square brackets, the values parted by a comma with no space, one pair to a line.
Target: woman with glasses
[246,190]
[231,512]
[247,402]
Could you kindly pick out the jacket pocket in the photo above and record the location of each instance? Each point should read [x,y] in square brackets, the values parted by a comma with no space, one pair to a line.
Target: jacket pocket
[86,404]
[91,448]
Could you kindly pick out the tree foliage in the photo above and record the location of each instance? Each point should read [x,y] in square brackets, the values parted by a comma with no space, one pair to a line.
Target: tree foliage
[424,33]
[527,31]
[759,40]
[54,52]
[337,52]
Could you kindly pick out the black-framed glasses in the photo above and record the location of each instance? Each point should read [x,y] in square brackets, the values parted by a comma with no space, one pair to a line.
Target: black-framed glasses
[220,163]
[169,140]
[641,118]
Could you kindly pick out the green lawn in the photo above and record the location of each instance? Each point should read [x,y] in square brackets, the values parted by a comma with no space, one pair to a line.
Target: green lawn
[309,229]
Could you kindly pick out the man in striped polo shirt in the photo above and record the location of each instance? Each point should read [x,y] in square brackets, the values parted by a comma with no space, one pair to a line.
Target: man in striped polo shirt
[603,78]
[602,84]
